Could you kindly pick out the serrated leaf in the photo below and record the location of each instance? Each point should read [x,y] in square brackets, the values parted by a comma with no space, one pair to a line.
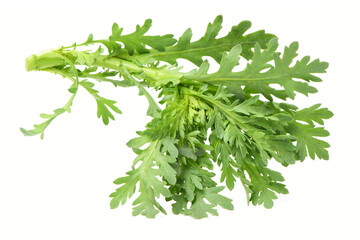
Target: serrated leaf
[153,109]
[208,118]
[126,190]
[138,40]
[255,80]
[313,114]
[40,128]
[138,142]
[168,172]
[213,196]
[187,152]
[209,45]
[201,209]
[281,148]
[263,183]
[307,143]
[151,187]
[266,197]
[85,57]
[103,104]
[168,145]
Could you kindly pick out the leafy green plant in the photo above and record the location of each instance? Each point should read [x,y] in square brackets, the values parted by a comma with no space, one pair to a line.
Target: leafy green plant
[237,120]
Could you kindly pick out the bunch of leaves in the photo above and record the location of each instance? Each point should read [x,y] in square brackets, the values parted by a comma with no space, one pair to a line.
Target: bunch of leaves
[234,121]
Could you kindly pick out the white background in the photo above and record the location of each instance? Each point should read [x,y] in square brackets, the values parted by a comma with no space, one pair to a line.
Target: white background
[58,188]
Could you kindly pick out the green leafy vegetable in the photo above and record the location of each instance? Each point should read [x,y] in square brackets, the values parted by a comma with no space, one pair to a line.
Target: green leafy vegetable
[235,120]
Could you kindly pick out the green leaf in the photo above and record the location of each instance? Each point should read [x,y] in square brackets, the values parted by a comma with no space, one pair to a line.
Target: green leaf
[168,145]
[247,185]
[313,114]
[138,40]
[138,142]
[307,143]
[281,148]
[86,58]
[200,209]
[146,204]
[168,172]
[187,152]
[191,182]
[207,119]
[103,104]
[153,109]
[103,76]
[259,74]
[211,194]
[126,190]
[193,175]
[146,175]
[266,197]
[209,45]
[263,182]
[40,128]
[228,173]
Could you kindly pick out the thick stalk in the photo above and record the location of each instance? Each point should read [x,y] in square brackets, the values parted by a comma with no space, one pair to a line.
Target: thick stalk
[53,60]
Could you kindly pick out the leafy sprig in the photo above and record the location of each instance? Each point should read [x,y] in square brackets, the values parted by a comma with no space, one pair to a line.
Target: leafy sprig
[207,120]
